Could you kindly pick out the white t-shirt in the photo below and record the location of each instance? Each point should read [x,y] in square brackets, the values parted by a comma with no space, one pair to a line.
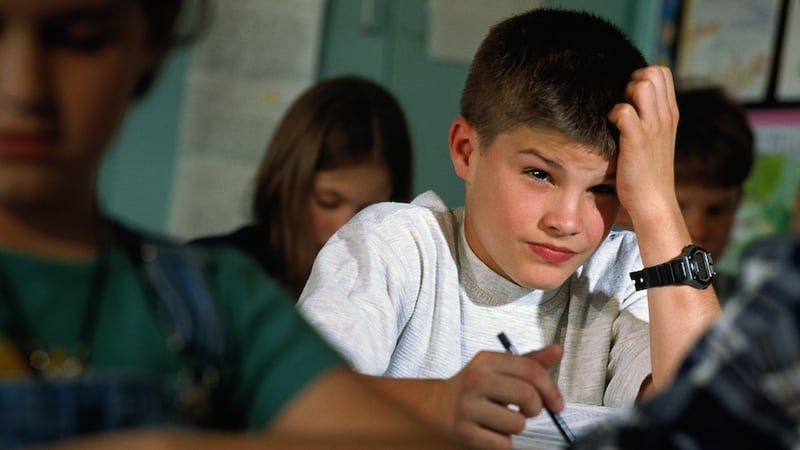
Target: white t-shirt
[398,291]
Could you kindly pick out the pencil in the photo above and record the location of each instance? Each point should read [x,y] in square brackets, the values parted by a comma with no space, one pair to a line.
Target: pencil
[557,419]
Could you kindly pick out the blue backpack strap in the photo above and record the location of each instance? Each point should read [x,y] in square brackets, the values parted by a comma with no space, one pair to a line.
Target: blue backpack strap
[195,319]
[195,322]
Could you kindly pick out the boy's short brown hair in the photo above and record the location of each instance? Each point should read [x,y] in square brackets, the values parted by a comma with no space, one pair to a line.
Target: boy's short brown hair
[550,68]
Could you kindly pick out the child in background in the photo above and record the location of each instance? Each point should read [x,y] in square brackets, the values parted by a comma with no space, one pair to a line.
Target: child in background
[341,146]
[91,348]
[714,152]
[561,122]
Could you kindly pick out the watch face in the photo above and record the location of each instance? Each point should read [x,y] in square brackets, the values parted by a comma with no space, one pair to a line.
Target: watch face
[703,265]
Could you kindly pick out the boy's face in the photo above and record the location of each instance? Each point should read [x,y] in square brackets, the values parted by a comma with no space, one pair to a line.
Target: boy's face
[338,194]
[68,69]
[537,203]
[709,212]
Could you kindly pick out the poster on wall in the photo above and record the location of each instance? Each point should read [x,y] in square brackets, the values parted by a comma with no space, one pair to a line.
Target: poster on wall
[749,47]
[730,42]
[771,203]
[252,62]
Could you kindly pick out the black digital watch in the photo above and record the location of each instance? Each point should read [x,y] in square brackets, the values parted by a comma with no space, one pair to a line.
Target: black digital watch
[693,267]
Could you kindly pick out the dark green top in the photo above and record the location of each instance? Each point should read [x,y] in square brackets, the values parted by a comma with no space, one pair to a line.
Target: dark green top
[277,352]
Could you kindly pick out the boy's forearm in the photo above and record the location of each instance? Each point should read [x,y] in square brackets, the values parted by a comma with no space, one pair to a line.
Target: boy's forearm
[208,440]
[422,396]
[680,313]
[339,409]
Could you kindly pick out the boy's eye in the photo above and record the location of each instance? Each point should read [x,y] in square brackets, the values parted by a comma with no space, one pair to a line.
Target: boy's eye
[83,38]
[327,203]
[604,189]
[718,210]
[537,174]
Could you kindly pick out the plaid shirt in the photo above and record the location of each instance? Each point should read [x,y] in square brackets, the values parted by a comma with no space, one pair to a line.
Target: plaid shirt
[739,387]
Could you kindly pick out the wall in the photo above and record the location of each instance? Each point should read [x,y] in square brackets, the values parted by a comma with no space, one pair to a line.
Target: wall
[392,50]
[387,44]
[136,178]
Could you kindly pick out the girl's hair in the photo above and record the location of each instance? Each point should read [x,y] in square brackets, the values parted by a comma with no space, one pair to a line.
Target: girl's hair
[338,123]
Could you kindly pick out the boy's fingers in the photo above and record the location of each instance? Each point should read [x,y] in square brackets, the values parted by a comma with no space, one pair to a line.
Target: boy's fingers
[625,117]
[547,356]
[670,85]
[546,388]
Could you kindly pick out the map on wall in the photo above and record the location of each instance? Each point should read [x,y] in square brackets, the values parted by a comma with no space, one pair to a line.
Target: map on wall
[730,42]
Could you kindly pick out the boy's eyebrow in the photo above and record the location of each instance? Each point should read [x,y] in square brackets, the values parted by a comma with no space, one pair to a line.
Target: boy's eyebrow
[538,154]
[612,176]
[328,191]
[87,13]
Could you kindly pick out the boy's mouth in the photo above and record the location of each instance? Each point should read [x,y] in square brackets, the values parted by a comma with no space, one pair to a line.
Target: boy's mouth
[551,254]
[25,145]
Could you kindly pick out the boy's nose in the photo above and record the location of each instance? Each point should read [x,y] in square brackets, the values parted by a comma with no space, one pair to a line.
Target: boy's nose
[563,216]
[23,74]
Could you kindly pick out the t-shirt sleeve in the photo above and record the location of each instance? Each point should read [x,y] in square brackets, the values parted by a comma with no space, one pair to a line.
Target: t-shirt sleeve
[362,290]
[629,360]
[278,352]
[629,352]
[629,363]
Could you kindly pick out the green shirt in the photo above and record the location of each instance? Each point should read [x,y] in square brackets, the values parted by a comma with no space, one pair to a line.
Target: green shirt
[277,353]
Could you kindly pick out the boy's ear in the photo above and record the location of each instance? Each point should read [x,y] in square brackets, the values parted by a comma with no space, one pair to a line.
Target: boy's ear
[463,143]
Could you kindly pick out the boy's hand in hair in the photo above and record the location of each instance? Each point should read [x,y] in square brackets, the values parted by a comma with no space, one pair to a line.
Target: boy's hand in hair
[647,125]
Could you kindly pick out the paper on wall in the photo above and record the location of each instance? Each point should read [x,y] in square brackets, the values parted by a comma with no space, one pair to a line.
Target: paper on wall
[456,29]
[253,61]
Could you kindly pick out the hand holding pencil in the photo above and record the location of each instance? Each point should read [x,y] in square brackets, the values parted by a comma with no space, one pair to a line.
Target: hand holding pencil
[559,422]
[473,403]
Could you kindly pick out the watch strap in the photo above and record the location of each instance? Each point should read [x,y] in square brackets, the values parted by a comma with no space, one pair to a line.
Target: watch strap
[671,272]
[693,267]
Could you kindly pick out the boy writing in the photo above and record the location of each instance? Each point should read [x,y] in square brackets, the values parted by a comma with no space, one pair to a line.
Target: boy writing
[561,122]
